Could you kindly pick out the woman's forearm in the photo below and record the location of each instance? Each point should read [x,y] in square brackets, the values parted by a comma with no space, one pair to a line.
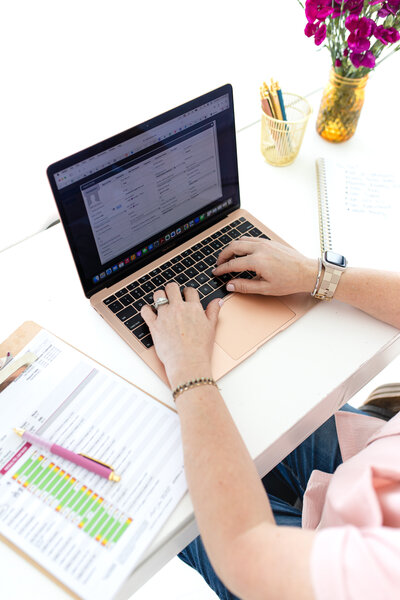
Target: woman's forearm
[225,488]
[375,292]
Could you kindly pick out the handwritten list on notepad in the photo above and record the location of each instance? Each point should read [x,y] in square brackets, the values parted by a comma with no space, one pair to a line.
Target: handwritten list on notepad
[363,208]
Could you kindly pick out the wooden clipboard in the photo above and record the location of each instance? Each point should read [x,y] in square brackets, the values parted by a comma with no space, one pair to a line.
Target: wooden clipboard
[14,344]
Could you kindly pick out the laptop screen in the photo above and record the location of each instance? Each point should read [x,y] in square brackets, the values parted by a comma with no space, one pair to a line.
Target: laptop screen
[135,196]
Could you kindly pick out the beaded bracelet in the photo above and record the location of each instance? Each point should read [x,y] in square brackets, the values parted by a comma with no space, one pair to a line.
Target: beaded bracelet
[191,384]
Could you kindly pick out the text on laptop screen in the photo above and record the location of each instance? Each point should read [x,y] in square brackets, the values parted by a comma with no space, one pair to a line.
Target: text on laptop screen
[125,199]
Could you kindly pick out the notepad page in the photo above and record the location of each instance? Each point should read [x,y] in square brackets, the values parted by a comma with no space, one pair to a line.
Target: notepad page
[364,213]
[87,531]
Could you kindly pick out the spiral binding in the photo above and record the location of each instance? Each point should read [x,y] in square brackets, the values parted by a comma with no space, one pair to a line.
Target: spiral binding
[325,239]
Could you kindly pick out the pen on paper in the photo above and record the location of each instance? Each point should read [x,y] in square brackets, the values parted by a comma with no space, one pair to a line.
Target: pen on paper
[88,463]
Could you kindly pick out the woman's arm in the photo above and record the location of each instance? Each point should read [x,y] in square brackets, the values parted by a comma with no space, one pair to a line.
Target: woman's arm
[282,270]
[252,556]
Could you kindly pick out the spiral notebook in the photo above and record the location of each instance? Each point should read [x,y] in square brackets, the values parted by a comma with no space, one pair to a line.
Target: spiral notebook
[359,213]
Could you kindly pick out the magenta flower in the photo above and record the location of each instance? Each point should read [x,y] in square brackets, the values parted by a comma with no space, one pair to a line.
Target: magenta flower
[390,7]
[363,60]
[387,35]
[393,6]
[361,30]
[358,44]
[318,10]
[354,6]
[362,27]
[310,29]
[320,34]
[355,40]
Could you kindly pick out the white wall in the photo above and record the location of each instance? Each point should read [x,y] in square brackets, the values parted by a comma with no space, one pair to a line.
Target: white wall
[77,71]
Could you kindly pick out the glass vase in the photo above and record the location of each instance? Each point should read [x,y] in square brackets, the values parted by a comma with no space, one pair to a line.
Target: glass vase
[340,108]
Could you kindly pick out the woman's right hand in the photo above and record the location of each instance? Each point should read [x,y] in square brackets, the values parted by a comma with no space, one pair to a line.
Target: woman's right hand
[280,270]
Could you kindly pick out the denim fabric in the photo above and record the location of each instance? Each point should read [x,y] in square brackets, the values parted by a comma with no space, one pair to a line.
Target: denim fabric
[285,486]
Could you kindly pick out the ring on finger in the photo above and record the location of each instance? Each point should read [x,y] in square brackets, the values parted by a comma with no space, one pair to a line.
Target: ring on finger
[160,301]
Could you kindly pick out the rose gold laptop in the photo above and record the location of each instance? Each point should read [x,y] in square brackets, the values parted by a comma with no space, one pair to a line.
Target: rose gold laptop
[157,203]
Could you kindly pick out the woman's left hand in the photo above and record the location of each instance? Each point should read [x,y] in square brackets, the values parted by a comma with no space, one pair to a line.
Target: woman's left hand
[183,333]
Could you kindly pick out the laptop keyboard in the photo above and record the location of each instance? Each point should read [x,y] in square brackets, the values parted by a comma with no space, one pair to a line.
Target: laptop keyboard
[191,268]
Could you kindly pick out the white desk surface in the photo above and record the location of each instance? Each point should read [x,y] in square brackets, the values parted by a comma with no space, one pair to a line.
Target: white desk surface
[277,397]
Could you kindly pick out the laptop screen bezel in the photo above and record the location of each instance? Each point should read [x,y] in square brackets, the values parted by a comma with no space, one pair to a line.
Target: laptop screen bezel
[89,287]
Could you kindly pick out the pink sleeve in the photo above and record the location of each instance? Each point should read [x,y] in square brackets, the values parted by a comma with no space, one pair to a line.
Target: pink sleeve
[348,563]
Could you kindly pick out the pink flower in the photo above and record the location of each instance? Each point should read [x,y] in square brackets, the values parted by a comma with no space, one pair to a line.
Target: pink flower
[386,35]
[338,63]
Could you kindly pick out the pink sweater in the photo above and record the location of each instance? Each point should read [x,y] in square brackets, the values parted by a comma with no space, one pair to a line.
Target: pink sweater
[356,512]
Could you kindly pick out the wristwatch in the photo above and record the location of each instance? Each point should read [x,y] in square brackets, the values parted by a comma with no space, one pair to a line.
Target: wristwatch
[333,265]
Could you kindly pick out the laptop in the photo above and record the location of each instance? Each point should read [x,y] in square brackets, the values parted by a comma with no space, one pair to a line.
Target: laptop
[157,203]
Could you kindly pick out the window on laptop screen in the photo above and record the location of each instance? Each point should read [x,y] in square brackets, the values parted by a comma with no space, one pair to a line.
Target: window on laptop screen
[126,200]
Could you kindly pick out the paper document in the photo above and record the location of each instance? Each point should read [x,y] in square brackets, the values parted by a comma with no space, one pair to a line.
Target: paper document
[361,212]
[87,531]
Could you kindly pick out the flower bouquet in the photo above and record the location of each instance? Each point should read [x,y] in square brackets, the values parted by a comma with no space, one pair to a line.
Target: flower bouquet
[356,32]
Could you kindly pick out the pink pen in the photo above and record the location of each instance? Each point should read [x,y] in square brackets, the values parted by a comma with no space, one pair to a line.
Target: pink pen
[91,464]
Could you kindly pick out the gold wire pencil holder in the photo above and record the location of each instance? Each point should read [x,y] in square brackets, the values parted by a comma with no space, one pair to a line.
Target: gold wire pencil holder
[281,140]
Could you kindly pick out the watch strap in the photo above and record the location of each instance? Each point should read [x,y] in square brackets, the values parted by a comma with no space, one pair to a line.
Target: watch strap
[329,283]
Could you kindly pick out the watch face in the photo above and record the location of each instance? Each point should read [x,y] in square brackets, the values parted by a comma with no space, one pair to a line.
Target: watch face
[335,259]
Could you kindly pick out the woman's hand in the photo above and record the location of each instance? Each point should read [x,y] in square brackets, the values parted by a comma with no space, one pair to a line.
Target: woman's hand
[280,270]
[183,333]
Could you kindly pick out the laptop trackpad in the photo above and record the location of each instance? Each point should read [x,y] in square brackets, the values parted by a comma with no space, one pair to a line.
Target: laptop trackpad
[247,320]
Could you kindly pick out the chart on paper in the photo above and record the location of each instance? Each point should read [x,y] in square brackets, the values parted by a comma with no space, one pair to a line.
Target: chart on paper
[74,501]
[86,530]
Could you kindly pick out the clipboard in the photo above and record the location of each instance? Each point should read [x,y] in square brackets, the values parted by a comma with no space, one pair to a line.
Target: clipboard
[14,344]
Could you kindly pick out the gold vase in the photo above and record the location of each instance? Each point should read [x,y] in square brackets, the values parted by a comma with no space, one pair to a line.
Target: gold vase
[340,108]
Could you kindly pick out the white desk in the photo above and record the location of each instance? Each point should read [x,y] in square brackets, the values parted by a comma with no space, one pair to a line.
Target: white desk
[277,397]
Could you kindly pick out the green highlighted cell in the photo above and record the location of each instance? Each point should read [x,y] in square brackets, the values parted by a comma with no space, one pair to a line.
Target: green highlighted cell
[78,494]
[121,531]
[93,498]
[50,476]
[107,527]
[38,469]
[93,520]
[65,489]
[39,476]
[53,482]
[24,466]
[81,501]
[33,466]
[68,496]
[114,529]
[100,524]
[60,484]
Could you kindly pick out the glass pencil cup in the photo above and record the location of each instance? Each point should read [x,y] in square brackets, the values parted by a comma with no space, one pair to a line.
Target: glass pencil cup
[281,140]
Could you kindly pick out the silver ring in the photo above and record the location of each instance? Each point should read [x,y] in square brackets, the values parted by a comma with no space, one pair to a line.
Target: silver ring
[160,302]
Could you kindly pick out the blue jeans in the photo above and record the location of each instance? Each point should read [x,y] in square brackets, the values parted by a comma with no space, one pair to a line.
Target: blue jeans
[285,486]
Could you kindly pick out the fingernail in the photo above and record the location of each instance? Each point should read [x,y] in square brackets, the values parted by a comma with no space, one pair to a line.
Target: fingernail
[230,287]
[220,302]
